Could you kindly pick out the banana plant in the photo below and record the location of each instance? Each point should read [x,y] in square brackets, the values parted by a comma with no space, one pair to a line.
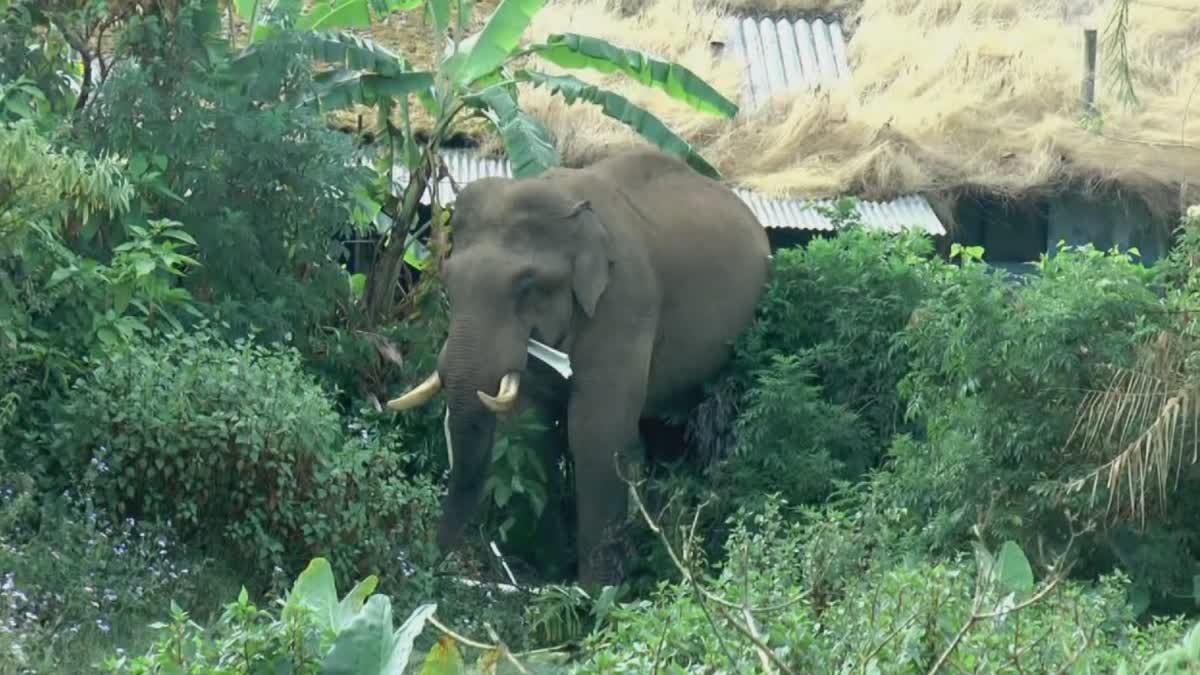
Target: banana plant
[475,77]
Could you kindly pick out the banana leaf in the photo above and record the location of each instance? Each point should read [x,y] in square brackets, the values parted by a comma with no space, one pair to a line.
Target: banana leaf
[528,142]
[574,51]
[619,108]
[500,37]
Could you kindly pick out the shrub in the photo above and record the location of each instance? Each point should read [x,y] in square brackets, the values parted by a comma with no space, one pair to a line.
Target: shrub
[998,370]
[837,306]
[891,615]
[236,442]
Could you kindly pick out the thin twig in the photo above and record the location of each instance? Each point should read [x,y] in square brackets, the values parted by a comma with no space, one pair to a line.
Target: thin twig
[499,646]
[977,617]
[720,604]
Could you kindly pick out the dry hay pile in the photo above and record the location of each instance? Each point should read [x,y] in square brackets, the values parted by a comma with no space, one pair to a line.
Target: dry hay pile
[945,95]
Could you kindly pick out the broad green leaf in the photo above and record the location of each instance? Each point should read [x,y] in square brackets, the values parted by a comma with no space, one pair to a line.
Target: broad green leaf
[180,235]
[122,294]
[143,266]
[367,645]
[352,604]
[315,589]
[439,10]
[574,51]
[246,9]
[343,88]
[499,38]
[59,276]
[1013,570]
[417,255]
[405,635]
[364,645]
[528,142]
[621,109]
[336,14]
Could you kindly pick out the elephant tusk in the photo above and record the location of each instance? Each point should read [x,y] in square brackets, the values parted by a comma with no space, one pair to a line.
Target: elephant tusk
[504,399]
[418,395]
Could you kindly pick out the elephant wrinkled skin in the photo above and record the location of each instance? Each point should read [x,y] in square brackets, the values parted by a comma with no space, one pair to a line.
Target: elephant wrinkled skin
[643,271]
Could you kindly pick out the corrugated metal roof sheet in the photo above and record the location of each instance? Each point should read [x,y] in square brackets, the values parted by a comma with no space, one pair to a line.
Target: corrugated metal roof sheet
[905,212]
[782,55]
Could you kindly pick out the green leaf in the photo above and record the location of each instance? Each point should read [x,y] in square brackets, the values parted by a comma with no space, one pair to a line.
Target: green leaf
[364,645]
[343,88]
[574,51]
[180,235]
[528,142]
[1013,570]
[336,14]
[619,108]
[439,10]
[59,276]
[122,294]
[498,39]
[404,637]
[315,589]
[246,9]
[417,255]
[367,645]
[143,266]
[352,604]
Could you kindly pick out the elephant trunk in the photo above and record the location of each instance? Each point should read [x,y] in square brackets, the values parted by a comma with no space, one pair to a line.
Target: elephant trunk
[480,372]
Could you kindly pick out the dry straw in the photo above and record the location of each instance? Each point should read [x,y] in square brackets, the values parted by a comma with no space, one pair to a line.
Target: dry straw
[945,95]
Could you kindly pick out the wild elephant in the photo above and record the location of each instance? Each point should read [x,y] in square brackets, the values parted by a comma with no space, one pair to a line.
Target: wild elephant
[640,269]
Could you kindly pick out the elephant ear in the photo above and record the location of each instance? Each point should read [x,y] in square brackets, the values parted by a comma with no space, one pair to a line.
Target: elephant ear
[592,259]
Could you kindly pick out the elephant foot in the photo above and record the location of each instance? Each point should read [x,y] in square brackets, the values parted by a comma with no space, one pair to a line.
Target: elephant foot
[606,564]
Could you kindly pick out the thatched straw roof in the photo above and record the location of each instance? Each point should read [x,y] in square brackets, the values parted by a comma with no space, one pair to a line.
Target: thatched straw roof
[943,96]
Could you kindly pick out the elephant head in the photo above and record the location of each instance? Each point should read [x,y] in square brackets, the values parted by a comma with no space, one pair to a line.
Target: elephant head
[528,256]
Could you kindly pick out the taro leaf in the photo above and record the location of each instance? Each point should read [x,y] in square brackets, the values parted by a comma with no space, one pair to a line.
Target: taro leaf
[328,14]
[498,39]
[574,51]
[363,646]
[528,142]
[368,646]
[343,88]
[621,109]
[403,639]
[315,589]
[1013,570]
[352,603]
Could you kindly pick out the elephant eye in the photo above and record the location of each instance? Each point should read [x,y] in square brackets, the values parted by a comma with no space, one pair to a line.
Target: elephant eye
[525,282]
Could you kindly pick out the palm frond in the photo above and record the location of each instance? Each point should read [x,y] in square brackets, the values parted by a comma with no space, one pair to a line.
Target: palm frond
[1152,412]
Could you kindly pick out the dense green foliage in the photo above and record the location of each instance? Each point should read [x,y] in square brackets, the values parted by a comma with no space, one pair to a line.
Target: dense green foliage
[912,464]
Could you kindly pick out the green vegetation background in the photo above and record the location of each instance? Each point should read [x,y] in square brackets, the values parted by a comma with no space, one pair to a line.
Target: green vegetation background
[913,464]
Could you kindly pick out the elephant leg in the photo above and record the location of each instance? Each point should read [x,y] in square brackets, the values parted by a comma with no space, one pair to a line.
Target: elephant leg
[602,427]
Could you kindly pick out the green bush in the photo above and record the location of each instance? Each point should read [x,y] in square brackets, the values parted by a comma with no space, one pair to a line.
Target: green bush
[890,615]
[237,443]
[262,183]
[998,371]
